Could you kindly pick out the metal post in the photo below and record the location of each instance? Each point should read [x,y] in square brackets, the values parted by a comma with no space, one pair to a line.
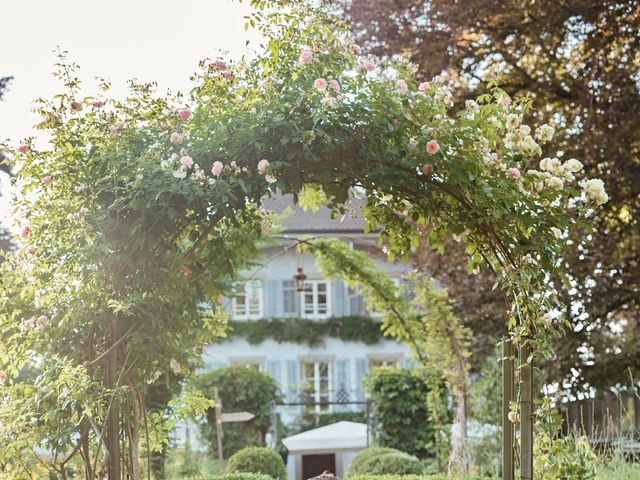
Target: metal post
[526,413]
[508,471]
[219,434]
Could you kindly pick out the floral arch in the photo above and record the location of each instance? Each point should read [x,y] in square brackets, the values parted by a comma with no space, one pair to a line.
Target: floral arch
[145,207]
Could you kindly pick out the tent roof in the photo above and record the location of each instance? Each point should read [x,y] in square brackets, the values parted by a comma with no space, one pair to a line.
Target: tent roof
[337,436]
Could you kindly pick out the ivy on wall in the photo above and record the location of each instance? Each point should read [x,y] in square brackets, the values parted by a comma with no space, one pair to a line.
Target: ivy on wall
[302,330]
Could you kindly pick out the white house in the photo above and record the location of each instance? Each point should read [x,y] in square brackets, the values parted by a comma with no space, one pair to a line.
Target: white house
[331,369]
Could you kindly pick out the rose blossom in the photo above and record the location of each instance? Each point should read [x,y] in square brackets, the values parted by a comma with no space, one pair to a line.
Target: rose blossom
[505,101]
[23,148]
[227,74]
[115,129]
[186,161]
[218,65]
[176,137]
[548,318]
[42,321]
[270,179]
[98,103]
[25,232]
[47,180]
[3,377]
[356,49]
[305,57]
[424,86]
[184,114]
[30,250]
[402,86]
[75,106]
[184,270]
[263,165]
[476,270]
[513,417]
[432,147]
[320,84]
[175,366]
[216,168]
[334,84]
[365,66]
[514,172]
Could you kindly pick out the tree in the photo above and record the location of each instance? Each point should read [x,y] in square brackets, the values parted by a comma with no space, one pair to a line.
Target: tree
[241,389]
[575,60]
[5,242]
[144,209]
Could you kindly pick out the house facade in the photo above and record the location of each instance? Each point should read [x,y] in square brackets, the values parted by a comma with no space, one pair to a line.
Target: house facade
[316,338]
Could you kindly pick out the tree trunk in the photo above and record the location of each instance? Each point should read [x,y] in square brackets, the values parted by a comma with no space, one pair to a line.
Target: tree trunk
[113,417]
[459,455]
[134,439]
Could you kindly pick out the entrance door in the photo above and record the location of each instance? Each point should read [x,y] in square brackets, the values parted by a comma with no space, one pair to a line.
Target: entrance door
[314,465]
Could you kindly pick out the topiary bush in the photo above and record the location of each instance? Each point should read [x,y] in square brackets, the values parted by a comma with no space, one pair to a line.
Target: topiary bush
[365,455]
[258,460]
[417,477]
[396,463]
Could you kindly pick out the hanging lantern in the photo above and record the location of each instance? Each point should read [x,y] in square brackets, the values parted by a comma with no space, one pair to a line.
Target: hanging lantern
[299,278]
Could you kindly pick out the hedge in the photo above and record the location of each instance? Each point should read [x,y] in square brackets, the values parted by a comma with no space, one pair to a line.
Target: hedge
[258,460]
[364,456]
[392,464]
[416,477]
[230,476]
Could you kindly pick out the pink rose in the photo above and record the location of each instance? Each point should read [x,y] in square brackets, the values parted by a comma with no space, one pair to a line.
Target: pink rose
[23,148]
[75,106]
[432,147]
[216,169]
[186,161]
[548,318]
[424,86]
[263,165]
[184,270]
[356,49]
[265,229]
[176,137]
[505,101]
[402,87]
[334,84]
[514,172]
[115,129]
[30,250]
[227,74]
[305,57]
[426,169]
[184,114]
[47,181]
[25,232]
[218,65]
[320,84]
[98,103]
[365,66]
[42,321]
[3,377]
[431,131]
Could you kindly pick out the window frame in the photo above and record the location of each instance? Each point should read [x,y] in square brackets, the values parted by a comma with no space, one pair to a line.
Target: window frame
[316,392]
[257,286]
[311,286]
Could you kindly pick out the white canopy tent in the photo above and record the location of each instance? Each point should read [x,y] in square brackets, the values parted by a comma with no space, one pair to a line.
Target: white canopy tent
[325,448]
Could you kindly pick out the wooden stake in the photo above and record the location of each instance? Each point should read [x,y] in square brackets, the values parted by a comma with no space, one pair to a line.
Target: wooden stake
[508,471]
[219,434]
[526,414]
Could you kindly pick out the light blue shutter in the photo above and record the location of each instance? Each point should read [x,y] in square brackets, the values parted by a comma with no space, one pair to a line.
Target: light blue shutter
[356,304]
[338,299]
[361,371]
[288,298]
[270,299]
[292,380]
[273,369]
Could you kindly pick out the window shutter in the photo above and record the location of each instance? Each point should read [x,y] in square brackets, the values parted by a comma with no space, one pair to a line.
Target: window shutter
[288,298]
[356,303]
[342,388]
[273,369]
[293,379]
[361,371]
[338,299]
[270,299]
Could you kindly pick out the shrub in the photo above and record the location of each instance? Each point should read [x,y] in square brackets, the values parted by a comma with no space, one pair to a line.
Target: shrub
[397,463]
[415,477]
[241,389]
[365,455]
[230,476]
[258,460]
[399,405]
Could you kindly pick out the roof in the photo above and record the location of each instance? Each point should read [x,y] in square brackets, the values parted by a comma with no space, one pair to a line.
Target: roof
[337,436]
[320,221]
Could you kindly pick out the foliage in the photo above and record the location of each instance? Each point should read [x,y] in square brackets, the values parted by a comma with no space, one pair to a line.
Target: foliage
[572,58]
[241,389]
[566,457]
[312,332]
[367,454]
[143,210]
[258,460]
[391,464]
[416,477]
[486,393]
[399,407]
[230,476]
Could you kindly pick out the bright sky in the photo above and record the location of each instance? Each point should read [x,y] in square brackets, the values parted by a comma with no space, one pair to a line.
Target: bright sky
[149,40]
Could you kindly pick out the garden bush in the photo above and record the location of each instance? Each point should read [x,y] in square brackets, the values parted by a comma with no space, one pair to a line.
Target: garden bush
[396,463]
[230,476]
[416,477]
[258,460]
[365,455]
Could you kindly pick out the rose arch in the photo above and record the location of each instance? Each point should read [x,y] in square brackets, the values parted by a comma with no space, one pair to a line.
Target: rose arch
[143,209]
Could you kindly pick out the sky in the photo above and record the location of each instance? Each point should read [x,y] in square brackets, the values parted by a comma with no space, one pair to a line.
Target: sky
[158,40]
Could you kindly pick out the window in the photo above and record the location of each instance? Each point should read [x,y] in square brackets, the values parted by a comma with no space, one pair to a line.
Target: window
[384,360]
[315,299]
[248,301]
[316,382]
[289,297]
[250,362]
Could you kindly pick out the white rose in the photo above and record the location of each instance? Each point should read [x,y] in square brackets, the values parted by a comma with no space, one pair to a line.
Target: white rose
[556,183]
[572,165]
[513,121]
[544,133]
[594,191]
